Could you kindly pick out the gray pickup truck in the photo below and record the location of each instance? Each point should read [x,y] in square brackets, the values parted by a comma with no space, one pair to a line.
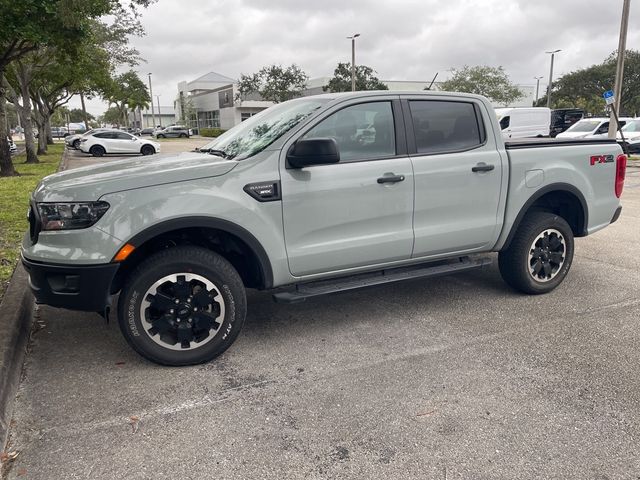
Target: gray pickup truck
[312,196]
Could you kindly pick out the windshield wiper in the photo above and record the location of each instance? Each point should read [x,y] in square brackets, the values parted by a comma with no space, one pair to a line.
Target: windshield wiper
[220,153]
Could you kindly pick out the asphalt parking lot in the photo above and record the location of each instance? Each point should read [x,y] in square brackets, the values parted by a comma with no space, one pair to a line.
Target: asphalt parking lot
[455,377]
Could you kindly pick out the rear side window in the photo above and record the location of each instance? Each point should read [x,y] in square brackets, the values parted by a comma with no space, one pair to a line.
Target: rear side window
[123,136]
[441,126]
[103,135]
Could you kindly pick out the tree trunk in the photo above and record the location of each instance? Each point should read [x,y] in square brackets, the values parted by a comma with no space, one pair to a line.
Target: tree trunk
[6,165]
[47,129]
[29,141]
[84,112]
[42,137]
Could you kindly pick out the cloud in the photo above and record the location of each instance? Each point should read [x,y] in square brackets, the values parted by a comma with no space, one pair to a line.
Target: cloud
[401,40]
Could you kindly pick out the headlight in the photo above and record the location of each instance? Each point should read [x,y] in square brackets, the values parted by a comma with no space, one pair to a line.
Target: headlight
[70,216]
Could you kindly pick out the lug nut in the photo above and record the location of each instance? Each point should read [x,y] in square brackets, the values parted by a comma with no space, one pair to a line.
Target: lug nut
[171,310]
[177,301]
[189,300]
[195,309]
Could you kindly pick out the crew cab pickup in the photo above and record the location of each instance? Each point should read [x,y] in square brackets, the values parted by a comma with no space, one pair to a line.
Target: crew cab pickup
[297,200]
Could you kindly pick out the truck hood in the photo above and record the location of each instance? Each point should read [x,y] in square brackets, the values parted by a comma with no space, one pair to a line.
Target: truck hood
[91,183]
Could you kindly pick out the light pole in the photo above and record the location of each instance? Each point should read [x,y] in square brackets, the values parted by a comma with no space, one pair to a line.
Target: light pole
[617,88]
[553,54]
[159,114]
[353,60]
[153,113]
[537,89]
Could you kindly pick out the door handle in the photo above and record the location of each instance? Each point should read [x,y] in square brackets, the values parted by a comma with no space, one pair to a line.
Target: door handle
[482,167]
[391,179]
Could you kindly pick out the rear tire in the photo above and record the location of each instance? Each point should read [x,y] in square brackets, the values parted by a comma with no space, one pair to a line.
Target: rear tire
[182,306]
[147,150]
[76,144]
[183,135]
[97,151]
[540,254]
[160,136]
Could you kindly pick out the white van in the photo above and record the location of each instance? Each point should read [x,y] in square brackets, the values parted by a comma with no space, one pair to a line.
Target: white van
[591,128]
[524,122]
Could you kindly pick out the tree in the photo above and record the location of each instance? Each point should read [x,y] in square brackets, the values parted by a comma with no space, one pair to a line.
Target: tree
[28,26]
[112,116]
[76,115]
[273,83]
[365,79]
[127,91]
[492,82]
[583,88]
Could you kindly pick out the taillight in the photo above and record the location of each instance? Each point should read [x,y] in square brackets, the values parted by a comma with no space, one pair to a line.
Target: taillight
[621,168]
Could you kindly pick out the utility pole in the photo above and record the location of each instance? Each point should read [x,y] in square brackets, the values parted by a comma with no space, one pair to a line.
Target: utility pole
[159,114]
[537,79]
[553,53]
[353,60]
[153,113]
[617,89]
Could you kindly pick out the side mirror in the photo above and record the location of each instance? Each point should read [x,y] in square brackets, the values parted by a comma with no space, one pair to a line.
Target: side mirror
[313,151]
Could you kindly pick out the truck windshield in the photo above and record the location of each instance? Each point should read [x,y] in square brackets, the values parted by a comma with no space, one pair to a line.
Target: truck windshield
[259,131]
[584,126]
[633,126]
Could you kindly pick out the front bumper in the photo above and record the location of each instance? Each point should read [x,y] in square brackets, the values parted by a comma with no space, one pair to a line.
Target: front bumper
[82,287]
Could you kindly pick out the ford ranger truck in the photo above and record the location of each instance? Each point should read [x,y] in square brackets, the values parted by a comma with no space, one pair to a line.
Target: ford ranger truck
[315,195]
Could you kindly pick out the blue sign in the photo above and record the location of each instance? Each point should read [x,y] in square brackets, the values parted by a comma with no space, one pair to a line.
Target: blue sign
[608,97]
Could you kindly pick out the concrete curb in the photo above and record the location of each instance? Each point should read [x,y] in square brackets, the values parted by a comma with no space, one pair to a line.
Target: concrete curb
[16,321]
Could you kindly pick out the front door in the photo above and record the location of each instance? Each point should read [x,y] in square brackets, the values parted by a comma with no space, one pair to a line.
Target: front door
[458,176]
[357,212]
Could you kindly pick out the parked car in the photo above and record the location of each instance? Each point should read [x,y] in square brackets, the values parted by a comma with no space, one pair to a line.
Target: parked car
[173,131]
[290,202]
[631,133]
[59,132]
[524,122]
[116,142]
[563,118]
[74,140]
[147,131]
[590,128]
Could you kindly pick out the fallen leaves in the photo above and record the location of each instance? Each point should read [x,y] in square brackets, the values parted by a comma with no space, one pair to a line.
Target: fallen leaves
[134,422]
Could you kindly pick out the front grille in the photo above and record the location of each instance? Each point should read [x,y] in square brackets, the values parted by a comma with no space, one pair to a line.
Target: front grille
[34,224]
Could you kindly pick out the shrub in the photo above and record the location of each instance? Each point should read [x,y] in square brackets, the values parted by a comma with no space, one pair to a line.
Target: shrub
[211,132]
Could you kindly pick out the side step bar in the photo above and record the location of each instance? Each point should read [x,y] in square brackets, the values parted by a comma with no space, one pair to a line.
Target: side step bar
[298,293]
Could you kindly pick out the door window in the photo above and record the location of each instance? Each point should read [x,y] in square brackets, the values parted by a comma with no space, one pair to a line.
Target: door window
[122,136]
[103,135]
[441,126]
[362,132]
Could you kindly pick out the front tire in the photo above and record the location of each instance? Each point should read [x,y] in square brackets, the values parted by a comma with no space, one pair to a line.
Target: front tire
[182,306]
[97,151]
[147,150]
[540,254]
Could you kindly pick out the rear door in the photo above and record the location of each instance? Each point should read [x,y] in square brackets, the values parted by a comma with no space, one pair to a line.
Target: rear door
[124,143]
[457,175]
[357,212]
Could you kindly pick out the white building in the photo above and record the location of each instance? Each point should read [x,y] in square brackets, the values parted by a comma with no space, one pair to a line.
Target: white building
[210,102]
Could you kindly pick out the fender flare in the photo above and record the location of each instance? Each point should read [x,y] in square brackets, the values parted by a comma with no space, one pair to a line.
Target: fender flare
[215,223]
[554,187]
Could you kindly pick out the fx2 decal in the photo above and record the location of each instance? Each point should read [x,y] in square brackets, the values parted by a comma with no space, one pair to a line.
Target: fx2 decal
[601,159]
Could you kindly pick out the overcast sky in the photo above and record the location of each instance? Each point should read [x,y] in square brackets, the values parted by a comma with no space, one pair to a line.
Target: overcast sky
[400,39]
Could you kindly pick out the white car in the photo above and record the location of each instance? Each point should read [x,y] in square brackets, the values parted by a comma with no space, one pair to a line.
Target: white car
[590,128]
[116,142]
[632,135]
[74,140]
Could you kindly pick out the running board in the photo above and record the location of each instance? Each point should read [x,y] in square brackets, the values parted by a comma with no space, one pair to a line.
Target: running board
[298,293]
